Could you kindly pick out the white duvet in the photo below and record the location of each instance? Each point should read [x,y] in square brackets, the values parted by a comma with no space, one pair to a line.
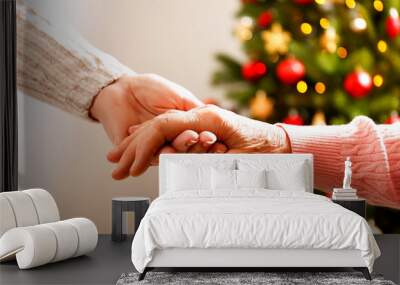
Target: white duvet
[250,219]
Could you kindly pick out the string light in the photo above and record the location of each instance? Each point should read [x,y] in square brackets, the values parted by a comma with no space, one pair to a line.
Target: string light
[378,5]
[243,33]
[382,46]
[329,40]
[324,23]
[358,24]
[393,13]
[351,4]
[342,52]
[319,119]
[378,80]
[302,86]
[320,2]
[246,21]
[244,30]
[320,87]
[306,28]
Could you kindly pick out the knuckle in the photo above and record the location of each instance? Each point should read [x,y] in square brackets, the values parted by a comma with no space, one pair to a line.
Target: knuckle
[161,121]
[213,112]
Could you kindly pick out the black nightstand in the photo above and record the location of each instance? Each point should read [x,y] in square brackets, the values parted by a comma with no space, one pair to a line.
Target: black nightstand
[358,206]
[138,205]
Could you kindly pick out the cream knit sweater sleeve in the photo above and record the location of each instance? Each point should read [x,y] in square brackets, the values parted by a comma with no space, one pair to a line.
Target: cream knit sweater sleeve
[60,67]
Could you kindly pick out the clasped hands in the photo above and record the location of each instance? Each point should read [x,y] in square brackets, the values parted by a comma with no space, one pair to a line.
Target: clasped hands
[146,115]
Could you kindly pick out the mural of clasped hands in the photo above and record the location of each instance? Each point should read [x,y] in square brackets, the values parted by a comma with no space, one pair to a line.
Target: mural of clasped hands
[145,115]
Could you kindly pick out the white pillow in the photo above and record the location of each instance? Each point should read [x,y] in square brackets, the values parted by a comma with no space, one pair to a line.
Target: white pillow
[228,179]
[188,177]
[281,174]
[285,176]
[223,179]
[251,178]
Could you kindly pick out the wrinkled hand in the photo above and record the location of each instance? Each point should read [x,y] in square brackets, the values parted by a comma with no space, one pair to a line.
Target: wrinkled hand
[132,100]
[239,134]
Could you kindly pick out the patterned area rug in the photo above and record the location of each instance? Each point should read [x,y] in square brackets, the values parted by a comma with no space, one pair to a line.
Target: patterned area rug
[243,278]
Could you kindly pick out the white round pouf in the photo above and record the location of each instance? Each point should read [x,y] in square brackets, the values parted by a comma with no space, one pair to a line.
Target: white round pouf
[31,233]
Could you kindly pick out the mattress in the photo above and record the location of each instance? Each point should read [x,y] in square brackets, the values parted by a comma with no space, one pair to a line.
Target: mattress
[251,218]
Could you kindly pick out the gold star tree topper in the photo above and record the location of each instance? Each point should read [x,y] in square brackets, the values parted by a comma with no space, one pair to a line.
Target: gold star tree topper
[276,40]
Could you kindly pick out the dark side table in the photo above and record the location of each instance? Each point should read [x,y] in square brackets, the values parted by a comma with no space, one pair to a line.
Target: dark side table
[138,205]
[358,206]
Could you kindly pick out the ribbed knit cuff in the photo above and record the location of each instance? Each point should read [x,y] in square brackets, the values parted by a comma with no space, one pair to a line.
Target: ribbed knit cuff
[88,87]
[324,143]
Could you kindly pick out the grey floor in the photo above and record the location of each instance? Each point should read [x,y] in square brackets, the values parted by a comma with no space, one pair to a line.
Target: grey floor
[103,266]
[110,260]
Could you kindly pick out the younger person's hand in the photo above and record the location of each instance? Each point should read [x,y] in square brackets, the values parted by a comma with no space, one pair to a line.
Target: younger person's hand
[134,99]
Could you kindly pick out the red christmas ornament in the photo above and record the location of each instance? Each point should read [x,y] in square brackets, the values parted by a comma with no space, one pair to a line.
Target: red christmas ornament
[290,71]
[293,119]
[394,118]
[358,84]
[303,2]
[393,23]
[264,19]
[254,70]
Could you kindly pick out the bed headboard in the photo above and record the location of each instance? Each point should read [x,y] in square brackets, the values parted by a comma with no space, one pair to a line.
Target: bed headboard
[229,158]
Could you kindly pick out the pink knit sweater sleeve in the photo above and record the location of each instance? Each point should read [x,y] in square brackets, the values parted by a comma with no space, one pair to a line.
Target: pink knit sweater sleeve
[374,151]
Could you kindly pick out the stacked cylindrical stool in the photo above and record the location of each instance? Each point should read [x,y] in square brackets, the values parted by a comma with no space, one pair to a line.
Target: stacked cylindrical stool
[31,230]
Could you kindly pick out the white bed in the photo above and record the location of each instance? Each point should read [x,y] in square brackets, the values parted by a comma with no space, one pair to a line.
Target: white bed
[206,226]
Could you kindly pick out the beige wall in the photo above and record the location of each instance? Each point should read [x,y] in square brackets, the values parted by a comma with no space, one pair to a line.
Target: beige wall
[174,38]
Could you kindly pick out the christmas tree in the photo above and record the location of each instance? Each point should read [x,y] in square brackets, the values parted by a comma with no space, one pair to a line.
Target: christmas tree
[316,61]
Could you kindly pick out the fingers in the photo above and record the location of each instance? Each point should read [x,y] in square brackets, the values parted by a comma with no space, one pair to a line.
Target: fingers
[151,136]
[188,100]
[185,140]
[218,148]
[165,149]
[127,158]
[133,128]
[206,140]
[115,154]
[148,144]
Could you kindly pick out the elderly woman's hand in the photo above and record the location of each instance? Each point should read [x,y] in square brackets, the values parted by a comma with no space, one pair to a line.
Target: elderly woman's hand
[239,134]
